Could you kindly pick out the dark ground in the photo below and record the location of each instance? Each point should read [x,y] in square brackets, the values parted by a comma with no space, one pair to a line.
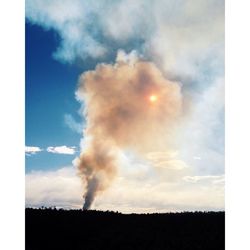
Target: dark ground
[48,229]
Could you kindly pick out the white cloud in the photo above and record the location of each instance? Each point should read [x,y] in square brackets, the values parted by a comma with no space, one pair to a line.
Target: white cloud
[130,58]
[128,193]
[202,133]
[72,124]
[211,178]
[197,158]
[32,150]
[180,35]
[62,150]
[72,20]
[189,37]
[60,188]
[167,159]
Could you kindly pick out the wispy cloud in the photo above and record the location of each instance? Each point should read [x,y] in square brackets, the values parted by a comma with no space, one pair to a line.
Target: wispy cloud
[62,150]
[73,124]
[204,178]
[30,150]
[167,159]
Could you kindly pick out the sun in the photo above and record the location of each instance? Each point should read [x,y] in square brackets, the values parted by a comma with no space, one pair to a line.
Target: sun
[153,98]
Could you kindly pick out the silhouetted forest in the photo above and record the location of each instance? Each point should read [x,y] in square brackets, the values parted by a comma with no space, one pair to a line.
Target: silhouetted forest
[48,229]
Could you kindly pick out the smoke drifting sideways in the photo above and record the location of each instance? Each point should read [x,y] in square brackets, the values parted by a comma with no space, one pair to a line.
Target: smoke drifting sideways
[127,106]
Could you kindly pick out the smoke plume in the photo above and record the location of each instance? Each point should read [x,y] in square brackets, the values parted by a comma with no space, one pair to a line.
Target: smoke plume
[128,106]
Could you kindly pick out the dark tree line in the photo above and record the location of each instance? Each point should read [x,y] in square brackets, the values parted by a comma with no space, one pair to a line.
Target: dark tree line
[96,230]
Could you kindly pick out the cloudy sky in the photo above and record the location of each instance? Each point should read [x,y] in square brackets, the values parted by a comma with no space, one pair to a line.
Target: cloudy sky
[185,41]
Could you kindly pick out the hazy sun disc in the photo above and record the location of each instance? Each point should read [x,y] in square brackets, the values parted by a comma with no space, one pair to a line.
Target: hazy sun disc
[153,98]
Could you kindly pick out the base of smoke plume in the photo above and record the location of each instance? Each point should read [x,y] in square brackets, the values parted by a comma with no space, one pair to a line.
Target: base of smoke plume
[90,193]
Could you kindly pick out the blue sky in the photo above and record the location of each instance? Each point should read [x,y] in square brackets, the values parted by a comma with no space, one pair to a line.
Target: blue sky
[184,40]
[50,87]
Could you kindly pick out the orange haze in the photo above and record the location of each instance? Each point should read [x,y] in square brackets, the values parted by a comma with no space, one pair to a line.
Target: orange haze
[126,107]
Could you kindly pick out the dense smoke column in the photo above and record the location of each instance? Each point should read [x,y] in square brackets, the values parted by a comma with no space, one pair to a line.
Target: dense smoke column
[127,106]
[90,193]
